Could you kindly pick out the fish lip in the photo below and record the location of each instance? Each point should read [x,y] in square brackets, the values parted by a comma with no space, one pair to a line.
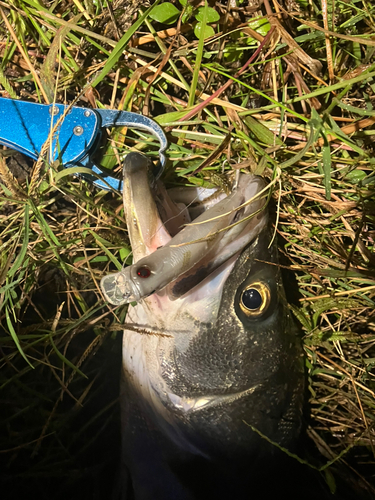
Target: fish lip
[194,405]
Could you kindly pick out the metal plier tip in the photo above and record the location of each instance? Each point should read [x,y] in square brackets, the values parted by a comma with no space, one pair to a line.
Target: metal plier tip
[25,127]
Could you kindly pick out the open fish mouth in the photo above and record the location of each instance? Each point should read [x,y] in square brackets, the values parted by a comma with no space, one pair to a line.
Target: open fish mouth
[172,250]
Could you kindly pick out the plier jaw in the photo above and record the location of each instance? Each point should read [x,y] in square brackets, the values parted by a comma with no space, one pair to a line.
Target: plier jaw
[26,126]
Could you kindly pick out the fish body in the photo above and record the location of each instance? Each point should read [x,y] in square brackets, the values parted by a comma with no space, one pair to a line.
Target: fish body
[211,361]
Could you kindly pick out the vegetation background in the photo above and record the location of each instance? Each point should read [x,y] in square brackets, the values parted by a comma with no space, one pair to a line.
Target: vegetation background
[280,88]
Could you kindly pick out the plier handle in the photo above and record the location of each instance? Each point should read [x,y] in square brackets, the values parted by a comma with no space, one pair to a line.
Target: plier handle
[25,127]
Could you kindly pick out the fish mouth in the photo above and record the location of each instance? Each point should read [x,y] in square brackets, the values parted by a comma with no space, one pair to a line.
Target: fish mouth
[171,251]
[194,405]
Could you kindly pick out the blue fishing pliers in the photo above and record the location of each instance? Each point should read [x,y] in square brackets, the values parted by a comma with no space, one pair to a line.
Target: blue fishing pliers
[25,127]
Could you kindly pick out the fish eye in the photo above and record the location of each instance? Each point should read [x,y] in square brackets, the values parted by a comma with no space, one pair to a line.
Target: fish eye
[255,299]
[143,272]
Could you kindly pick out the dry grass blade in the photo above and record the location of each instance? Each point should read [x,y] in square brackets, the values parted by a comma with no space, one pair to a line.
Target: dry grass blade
[10,181]
[328,40]
[25,57]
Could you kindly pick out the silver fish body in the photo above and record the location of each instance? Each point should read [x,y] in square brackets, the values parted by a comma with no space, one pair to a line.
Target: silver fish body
[207,365]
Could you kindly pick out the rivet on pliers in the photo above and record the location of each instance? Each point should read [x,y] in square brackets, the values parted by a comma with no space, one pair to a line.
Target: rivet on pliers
[78,130]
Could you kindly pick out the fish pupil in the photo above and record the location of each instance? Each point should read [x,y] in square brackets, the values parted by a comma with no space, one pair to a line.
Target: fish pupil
[143,272]
[252,299]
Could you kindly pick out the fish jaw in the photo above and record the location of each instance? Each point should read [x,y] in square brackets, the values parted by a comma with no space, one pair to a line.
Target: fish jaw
[146,230]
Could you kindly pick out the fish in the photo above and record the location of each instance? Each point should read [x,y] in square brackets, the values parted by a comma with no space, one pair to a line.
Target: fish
[213,380]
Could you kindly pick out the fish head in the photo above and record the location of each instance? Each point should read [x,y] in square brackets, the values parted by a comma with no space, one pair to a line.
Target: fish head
[240,370]
[212,357]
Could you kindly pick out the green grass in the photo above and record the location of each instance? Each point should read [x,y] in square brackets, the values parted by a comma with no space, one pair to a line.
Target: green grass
[279,116]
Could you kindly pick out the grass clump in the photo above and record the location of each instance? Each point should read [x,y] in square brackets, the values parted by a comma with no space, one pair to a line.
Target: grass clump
[281,89]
